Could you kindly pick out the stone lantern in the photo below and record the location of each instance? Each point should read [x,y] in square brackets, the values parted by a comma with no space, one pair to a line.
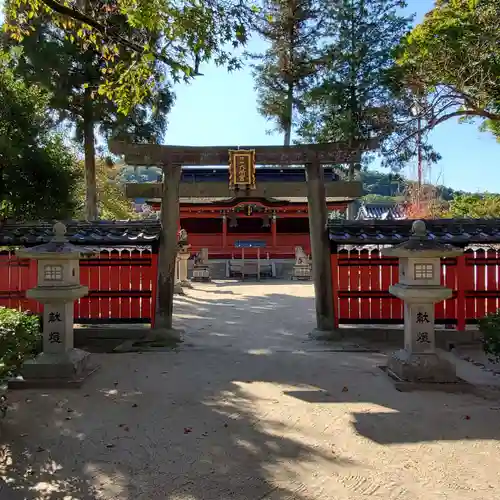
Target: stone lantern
[181,262]
[58,287]
[419,287]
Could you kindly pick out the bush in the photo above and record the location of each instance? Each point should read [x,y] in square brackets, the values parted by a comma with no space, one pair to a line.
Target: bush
[20,339]
[489,326]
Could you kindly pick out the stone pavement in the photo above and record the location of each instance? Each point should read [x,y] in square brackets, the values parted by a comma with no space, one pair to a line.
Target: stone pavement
[248,409]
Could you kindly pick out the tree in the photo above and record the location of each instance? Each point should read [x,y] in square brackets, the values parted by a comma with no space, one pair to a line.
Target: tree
[113,204]
[37,176]
[191,33]
[284,72]
[353,98]
[452,60]
[73,73]
[476,206]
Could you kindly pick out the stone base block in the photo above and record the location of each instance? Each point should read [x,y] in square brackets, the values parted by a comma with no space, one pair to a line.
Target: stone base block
[317,334]
[159,334]
[421,368]
[186,284]
[70,368]
[178,289]
[201,274]
[301,272]
[458,386]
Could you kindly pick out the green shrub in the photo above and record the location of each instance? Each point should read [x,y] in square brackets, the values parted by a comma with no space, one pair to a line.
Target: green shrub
[489,326]
[20,339]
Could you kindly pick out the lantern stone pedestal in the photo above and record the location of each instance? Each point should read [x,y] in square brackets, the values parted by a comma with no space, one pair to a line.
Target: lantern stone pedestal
[181,268]
[60,364]
[420,289]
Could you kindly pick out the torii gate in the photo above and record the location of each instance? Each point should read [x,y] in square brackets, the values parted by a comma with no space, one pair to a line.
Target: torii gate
[313,156]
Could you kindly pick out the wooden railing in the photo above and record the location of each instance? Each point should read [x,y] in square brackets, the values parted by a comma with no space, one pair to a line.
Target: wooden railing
[121,283]
[361,280]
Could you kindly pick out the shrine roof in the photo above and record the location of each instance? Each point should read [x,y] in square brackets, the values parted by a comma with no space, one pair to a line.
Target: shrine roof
[99,233]
[389,232]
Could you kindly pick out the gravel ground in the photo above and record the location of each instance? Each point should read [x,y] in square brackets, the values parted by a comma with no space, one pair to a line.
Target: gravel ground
[248,409]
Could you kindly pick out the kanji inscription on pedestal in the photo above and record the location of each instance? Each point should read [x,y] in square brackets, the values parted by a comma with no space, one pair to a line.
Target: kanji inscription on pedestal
[58,327]
[419,328]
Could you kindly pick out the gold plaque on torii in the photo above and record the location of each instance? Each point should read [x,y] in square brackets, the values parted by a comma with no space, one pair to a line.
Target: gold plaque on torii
[242,169]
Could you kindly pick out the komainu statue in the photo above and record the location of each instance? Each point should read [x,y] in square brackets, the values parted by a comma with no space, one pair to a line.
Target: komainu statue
[302,268]
[301,259]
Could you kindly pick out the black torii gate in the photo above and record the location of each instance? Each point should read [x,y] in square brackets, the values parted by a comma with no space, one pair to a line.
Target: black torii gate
[313,156]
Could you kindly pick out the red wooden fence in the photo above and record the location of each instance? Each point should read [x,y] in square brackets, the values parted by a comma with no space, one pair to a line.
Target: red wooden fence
[361,280]
[121,283]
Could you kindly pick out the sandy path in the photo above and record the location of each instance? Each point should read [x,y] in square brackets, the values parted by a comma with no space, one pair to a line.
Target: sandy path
[249,410]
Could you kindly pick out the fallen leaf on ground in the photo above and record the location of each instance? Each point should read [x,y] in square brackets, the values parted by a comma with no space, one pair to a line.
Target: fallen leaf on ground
[345,389]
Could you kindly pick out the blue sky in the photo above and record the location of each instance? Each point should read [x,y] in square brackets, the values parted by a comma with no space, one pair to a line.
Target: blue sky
[219,108]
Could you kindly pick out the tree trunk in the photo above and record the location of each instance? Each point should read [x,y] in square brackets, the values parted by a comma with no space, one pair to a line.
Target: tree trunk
[168,249]
[89,148]
[289,115]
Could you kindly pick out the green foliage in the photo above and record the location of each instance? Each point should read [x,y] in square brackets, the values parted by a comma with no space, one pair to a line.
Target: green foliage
[353,98]
[60,64]
[452,59]
[191,33]
[287,68]
[476,206]
[382,184]
[72,72]
[20,339]
[37,174]
[129,174]
[113,204]
[489,326]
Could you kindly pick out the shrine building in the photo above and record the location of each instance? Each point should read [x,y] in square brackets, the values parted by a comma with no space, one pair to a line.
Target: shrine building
[268,213]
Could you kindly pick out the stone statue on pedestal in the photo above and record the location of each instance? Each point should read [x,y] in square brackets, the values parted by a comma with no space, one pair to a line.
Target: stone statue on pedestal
[181,263]
[302,267]
[201,270]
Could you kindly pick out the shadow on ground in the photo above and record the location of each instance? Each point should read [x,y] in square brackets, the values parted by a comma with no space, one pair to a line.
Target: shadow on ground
[215,423]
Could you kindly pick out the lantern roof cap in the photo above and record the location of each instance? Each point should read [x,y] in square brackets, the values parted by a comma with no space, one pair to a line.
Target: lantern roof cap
[419,245]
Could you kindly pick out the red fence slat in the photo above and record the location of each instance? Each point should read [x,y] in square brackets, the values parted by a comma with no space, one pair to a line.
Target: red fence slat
[491,281]
[124,272]
[135,283]
[480,288]
[374,284]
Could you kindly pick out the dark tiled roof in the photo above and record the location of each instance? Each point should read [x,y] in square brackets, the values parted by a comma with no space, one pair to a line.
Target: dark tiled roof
[88,233]
[379,232]
[380,211]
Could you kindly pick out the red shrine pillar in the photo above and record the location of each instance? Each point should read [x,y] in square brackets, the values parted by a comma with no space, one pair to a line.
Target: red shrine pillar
[224,231]
[274,232]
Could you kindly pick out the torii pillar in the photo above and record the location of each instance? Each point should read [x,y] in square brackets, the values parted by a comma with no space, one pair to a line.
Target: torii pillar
[320,250]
